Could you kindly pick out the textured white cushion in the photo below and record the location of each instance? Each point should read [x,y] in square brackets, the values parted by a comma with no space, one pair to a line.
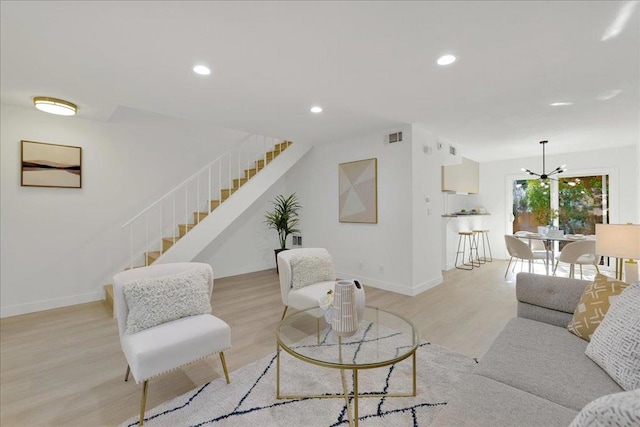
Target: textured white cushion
[311,265]
[618,409]
[309,296]
[156,300]
[173,344]
[615,345]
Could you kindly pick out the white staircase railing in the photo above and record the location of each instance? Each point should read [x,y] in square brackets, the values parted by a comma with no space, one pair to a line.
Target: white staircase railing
[172,215]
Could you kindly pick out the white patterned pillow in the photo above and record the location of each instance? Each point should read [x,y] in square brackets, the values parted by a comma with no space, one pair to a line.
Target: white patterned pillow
[617,409]
[615,345]
[157,300]
[311,265]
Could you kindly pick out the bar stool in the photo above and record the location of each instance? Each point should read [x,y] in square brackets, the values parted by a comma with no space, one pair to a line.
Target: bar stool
[484,235]
[463,238]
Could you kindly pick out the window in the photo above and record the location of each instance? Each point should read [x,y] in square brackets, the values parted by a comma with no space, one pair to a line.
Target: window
[574,204]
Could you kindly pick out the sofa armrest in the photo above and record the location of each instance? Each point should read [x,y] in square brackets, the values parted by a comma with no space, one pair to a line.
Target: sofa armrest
[548,299]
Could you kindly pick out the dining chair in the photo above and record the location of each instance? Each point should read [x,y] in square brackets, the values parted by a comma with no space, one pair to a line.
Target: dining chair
[520,250]
[538,246]
[581,253]
[165,321]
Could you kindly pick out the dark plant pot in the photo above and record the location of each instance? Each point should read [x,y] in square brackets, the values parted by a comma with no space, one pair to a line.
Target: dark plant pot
[277,251]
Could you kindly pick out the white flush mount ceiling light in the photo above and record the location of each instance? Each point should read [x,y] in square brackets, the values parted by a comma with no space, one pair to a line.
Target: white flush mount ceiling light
[55,106]
[202,70]
[561,104]
[316,109]
[446,60]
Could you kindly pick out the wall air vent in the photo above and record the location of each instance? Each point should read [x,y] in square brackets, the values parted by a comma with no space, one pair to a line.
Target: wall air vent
[452,150]
[392,138]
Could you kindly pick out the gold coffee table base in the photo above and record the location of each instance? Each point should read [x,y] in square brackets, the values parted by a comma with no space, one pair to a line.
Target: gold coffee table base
[344,368]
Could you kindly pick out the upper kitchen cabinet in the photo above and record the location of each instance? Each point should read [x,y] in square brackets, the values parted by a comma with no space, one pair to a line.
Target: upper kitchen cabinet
[461,178]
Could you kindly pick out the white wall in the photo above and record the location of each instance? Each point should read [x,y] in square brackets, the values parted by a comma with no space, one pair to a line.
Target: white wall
[60,246]
[247,245]
[382,254]
[427,221]
[622,162]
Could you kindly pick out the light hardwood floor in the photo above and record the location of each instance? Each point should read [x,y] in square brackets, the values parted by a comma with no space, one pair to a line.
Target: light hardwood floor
[65,367]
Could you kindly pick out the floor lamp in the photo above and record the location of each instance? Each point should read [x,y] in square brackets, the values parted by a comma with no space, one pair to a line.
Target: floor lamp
[620,241]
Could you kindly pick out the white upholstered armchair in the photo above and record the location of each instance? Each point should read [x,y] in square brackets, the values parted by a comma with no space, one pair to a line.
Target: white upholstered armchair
[306,275]
[165,321]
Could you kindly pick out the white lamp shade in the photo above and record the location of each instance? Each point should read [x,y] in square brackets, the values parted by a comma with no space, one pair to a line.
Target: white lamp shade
[618,240]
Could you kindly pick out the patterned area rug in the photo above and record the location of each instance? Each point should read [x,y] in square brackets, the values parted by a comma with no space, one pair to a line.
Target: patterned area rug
[250,399]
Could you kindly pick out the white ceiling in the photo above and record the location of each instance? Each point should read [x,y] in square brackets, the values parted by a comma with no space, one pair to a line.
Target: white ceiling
[370,65]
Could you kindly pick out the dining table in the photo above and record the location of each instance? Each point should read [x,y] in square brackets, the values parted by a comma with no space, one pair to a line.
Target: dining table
[550,241]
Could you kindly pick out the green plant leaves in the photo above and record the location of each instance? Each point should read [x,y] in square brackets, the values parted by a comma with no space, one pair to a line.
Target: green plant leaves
[284,217]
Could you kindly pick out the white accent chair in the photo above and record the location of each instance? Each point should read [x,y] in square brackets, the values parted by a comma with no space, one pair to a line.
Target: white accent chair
[170,345]
[308,296]
[580,252]
[520,250]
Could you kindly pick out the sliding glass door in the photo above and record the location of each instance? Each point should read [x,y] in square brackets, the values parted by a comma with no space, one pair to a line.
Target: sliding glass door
[583,203]
[574,204]
[531,205]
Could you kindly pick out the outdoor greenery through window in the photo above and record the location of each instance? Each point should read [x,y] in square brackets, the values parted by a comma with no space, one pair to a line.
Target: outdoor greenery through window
[583,204]
[574,204]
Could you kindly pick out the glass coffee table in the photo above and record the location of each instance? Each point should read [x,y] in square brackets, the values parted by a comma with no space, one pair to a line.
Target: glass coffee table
[382,339]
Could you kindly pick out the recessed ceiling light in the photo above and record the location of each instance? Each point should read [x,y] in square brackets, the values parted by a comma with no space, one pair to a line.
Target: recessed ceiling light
[55,106]
[560,104]
[446,60]
[202,70]
[316,109]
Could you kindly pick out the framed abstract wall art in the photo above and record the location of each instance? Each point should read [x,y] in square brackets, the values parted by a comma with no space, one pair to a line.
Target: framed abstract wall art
[358,187]
[50,165]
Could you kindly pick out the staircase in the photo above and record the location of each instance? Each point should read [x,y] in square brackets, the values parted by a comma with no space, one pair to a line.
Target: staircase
[210,190]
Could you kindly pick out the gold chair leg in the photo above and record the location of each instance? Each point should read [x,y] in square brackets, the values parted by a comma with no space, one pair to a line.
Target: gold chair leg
[580,271]
[144,401]
[597,269]
[224,367]
[126,376]
[284,312]
[555,268]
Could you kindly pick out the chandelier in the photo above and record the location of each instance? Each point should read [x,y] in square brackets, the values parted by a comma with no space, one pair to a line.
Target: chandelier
[544,175]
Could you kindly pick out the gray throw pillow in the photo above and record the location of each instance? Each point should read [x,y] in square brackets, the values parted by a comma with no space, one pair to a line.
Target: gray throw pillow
[617,409]
[157,300]
[615,344]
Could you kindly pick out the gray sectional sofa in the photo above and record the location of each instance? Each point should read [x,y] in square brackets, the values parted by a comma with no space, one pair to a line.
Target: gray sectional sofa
[536,372]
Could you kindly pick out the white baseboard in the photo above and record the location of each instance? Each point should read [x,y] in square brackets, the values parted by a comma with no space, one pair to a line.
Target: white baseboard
[427,285]
[391,286]
[31,307]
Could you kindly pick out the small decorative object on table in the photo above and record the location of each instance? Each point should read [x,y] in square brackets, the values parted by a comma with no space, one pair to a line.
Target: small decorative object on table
[326,303]
[348,307]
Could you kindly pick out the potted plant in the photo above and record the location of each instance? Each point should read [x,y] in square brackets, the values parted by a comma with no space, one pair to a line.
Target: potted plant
[284,219]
